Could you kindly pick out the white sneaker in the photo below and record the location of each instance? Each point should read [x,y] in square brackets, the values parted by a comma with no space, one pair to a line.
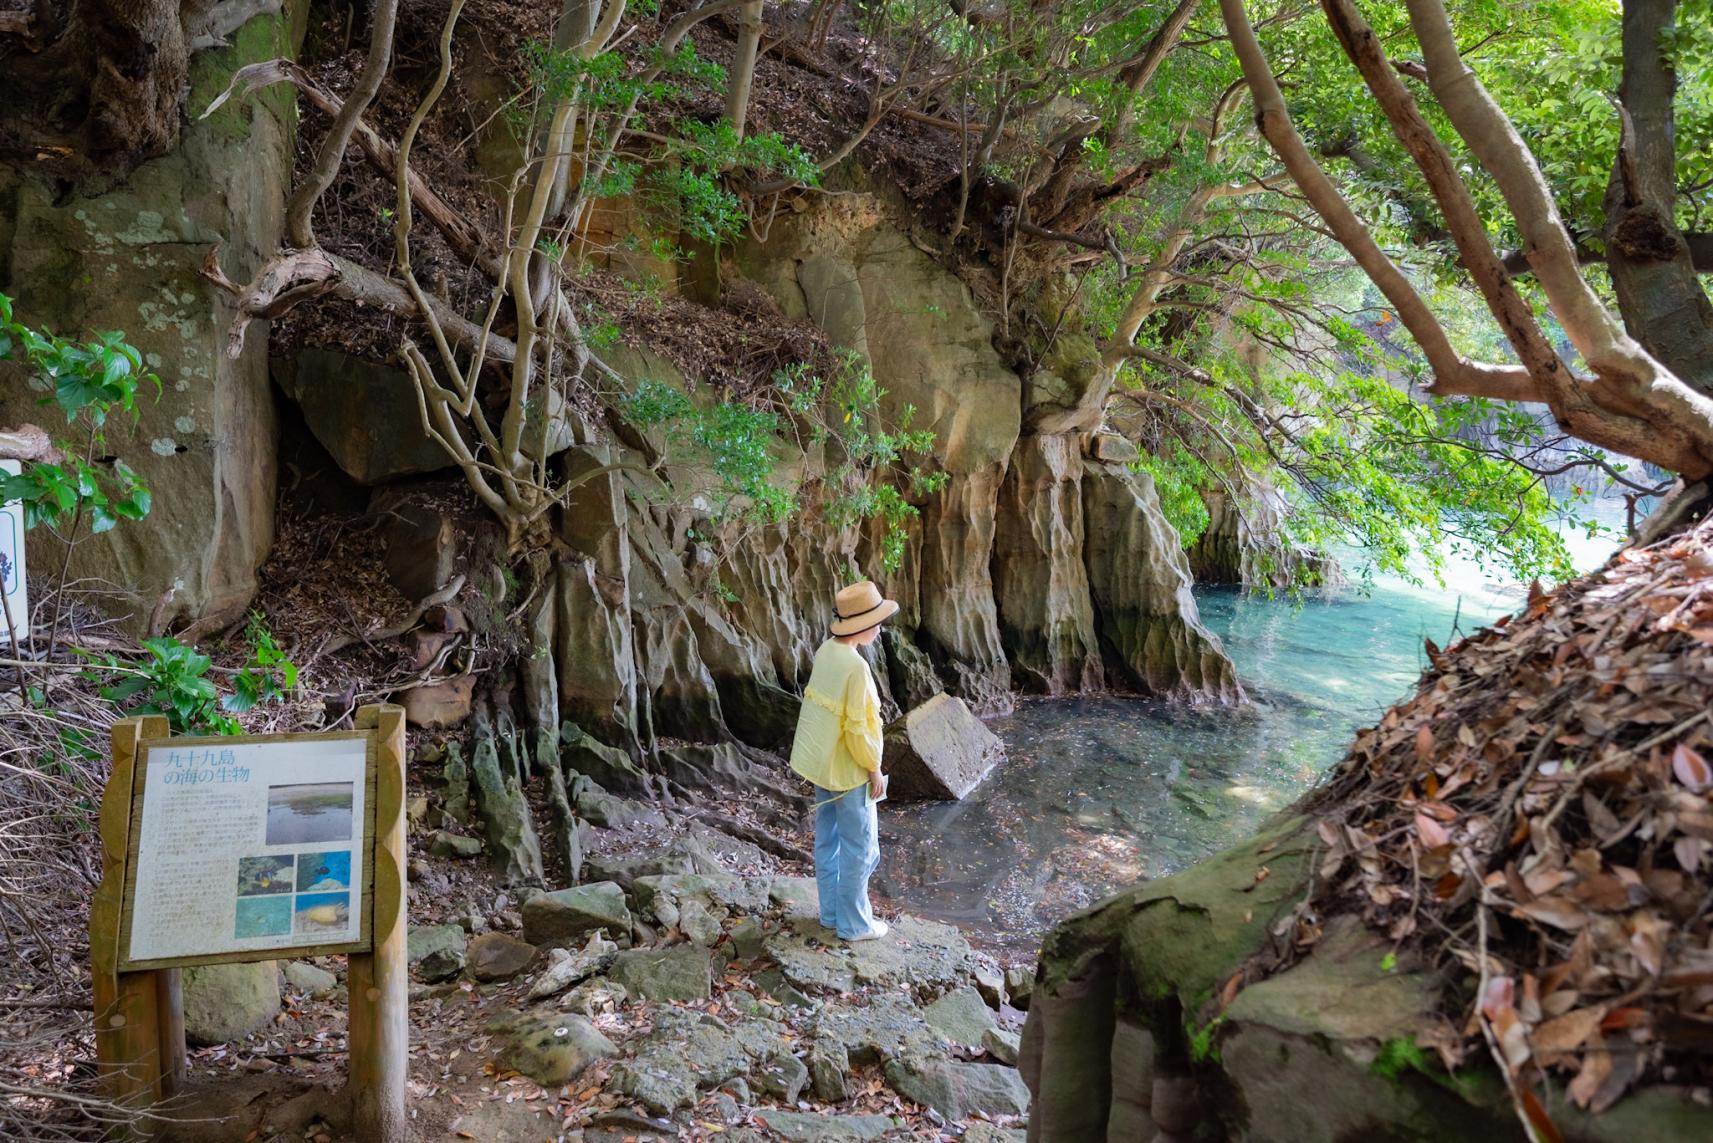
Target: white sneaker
[881,928]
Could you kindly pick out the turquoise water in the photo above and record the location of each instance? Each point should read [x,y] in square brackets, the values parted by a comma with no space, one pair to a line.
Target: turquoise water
[1098,791]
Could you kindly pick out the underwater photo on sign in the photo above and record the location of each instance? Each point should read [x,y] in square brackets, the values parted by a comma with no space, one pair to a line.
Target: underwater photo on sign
[265,874]
[322,913]
[263,917]
[309,812]
[328,871]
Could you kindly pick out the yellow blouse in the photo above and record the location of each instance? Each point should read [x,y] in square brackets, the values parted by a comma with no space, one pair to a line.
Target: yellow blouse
[838,732]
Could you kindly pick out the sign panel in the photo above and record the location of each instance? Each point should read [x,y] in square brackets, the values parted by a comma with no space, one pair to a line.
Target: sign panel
[12,565]
[246,845]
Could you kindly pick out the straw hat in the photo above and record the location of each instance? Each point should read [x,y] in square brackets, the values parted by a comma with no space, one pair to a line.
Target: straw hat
[859,607]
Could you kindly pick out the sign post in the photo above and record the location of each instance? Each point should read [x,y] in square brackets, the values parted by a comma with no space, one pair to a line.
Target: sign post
[244,849]
[14,591]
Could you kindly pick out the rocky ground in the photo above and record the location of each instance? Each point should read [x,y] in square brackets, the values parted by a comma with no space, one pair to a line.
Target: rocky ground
[683,990]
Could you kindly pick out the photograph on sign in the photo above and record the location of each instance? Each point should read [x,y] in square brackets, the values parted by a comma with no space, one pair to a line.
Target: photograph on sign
[248,846]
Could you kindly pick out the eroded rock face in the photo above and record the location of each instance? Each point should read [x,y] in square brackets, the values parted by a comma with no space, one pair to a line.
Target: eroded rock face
[1045,613]
[129,259]
[1150,630]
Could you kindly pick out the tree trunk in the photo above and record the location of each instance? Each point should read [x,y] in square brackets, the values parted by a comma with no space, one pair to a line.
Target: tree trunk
[1662,302]
[743,65]
[102,93]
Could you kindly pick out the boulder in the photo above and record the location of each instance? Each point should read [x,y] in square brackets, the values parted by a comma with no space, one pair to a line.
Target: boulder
[958,1090]
[917,954]
[781,1076]
[437,951]
[805,1127]
[444,844]
[363,413]
[497,956]
[829,1065]
[566,915]
[422,543]
[554,1049]
[688,1051]
[676,972]
[310,980]
[566,968]
[961,1015]
[225,1002]
[1001,1045]
[939,750]
[439,705]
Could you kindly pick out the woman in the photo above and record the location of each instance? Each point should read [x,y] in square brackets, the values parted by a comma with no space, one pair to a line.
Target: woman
[838,749]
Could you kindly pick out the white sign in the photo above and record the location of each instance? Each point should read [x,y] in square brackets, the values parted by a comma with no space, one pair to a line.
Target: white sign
[249,845]
[12,565]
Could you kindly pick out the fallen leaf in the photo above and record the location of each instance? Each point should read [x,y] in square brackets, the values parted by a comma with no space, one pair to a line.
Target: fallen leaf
[1691,768]
[1433,834]
[1567,1032]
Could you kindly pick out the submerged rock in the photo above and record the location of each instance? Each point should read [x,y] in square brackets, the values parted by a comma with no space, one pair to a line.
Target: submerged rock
[939,750]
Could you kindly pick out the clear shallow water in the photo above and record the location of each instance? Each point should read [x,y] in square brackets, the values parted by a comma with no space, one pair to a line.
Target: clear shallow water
[1098,791]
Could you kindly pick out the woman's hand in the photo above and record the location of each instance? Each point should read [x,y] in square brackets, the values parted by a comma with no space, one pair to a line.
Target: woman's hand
[876,785]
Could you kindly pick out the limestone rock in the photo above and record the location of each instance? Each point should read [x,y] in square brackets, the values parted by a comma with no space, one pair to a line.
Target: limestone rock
[1046,616]
[1112,448]
[497,956]
[781,1076]
[225,1002]
[124,253]
[567,914]
[346,401]
[554,1049]
[956,1090]
[959,626]
[886,1028]
[511,836]
[1019,983]
[917,953]
[939,750]
[1001,1045]
[961,1015]
[444,844]
[565,968]
[309,979]
[688,1051]
[1140,581]
[805,1127]
[420,942]
[422,543]
[440,705]
[676,972]
[829,1064]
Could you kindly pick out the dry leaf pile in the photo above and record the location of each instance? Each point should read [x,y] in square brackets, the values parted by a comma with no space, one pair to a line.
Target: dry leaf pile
[1537,821]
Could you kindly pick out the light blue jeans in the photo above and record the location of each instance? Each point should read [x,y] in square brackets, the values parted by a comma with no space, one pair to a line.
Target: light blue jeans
[847,851]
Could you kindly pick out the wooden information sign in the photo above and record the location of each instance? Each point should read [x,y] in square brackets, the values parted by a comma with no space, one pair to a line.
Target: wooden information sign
[244,849]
